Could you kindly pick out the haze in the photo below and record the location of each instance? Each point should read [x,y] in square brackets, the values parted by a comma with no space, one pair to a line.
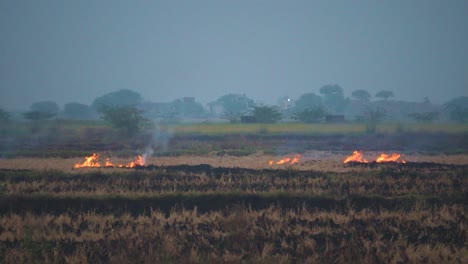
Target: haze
[74,51]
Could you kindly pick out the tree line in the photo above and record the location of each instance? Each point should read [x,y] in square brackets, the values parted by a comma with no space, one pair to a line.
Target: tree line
[125,108]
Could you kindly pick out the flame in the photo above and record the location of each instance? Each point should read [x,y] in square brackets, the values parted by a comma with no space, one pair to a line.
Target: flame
[295,159]
[386,158]
[139,161]
[357,157]
[91,161]
[109,163]
[285,160]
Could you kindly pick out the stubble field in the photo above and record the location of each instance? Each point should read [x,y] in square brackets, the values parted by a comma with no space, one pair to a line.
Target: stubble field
[215,207]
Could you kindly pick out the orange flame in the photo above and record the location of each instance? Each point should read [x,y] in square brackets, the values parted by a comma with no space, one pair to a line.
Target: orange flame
[285,160]
[138,161]
[91,161]
[109,163]
[386,158]
[295,159]
[357,157]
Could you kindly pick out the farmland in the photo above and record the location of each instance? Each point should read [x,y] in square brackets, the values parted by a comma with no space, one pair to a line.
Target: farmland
[214,197]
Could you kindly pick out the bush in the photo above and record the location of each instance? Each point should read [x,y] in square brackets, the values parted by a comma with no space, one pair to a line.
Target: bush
[4,115]
[310,115]
[127,118]
[426,117]
[458,109]
[371,117]
[266,114]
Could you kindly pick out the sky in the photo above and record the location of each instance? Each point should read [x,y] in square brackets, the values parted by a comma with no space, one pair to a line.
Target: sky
[75,51]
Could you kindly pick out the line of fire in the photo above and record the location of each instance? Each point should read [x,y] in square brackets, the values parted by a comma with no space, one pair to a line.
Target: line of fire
[356,157]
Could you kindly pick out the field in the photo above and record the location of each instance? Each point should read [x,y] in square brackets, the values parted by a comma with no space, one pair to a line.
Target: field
[213,197]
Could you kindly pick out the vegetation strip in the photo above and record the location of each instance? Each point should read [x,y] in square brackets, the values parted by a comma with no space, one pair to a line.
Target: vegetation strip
[205,202]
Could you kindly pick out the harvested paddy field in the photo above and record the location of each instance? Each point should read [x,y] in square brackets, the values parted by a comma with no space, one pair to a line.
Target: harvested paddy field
[311,160]
[260,195]
[214,208]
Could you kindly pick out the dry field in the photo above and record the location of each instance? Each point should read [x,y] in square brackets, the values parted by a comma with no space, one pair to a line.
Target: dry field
[312,160]
[315,211]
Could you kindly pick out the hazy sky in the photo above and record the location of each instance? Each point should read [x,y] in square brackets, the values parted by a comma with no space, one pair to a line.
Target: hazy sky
[74,51]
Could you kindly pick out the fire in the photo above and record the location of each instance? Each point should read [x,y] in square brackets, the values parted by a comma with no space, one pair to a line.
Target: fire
[109,163]
[91,161]
[357,157]
[138,161]
[286,160]
[283,160]
[295,159]
[386,158]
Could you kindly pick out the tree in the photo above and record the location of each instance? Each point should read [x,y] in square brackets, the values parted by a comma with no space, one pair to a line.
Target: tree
[76,111]
[425,117]
[46,106]
[308,100]
[371,117]
[266,114]
[118,98]
[4,115]
[361,95]
[42,110]
[233,118]
[384,94]
[235,103]
[37,115]
[128,118]
[333,98]
[457,109]
[310,115]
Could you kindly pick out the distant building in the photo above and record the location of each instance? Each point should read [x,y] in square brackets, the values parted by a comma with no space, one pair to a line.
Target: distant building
[216,108]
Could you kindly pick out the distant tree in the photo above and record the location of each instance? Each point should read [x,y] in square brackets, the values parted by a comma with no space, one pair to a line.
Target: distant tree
[426,117]
[42,110]
[457,109]
[128,118]
[235,103]
[384,94]
[266,114]
[76,111]
[284,102]
[234,118]
[4,115]
[46,106]
[371,117]
[334,99]
[361,95]
[310,115]
[308,100]
[118,98]
[37,115]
